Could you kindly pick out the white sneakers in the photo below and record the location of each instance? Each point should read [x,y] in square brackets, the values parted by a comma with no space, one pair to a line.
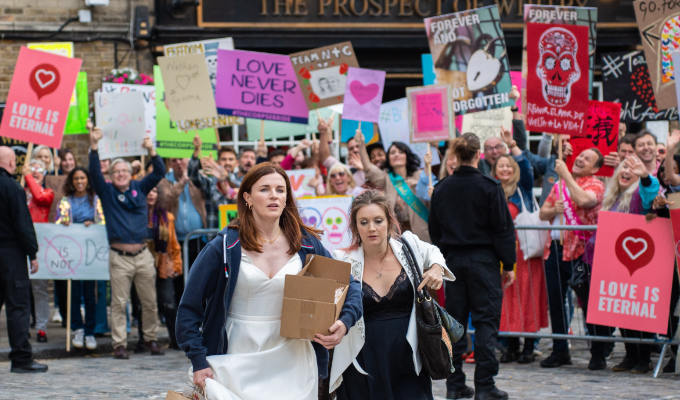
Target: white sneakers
[90,342]
[79,337]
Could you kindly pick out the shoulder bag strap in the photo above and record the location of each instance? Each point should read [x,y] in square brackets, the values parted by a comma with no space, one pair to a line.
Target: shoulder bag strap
[417,276]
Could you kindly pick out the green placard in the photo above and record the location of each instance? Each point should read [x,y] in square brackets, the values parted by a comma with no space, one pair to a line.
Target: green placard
[76,123]
[276,129]
[172,142]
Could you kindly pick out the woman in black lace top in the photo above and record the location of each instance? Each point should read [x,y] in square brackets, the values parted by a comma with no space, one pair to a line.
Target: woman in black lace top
[378,359]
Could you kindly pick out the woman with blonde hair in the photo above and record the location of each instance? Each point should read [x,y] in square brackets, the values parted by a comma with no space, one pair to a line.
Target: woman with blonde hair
[379,359]
[525,302]
[341,181]
[44,154]
[229,318]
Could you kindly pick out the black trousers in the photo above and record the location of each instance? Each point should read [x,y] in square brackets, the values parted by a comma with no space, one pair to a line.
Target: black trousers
[476,291]
[557,274]
[15,293]
[167,305]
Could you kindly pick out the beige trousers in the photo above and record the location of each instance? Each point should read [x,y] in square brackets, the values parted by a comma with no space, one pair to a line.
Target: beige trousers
[141,271]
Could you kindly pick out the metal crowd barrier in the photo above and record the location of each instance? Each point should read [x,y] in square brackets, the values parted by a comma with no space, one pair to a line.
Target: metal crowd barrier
[616,339]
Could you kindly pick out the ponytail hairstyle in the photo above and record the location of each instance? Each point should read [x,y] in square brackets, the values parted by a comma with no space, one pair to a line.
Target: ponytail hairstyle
[466,147]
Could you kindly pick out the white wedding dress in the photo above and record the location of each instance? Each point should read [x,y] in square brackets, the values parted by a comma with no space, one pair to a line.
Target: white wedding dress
[260,364]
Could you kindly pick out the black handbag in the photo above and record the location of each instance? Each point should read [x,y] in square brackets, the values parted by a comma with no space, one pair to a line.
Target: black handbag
[580,278]
[437,330]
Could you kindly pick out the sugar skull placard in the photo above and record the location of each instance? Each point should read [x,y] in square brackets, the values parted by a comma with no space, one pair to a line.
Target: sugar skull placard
[331,215]
[557,81]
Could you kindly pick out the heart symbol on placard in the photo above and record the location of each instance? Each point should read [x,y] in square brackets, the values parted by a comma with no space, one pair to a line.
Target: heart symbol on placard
[44,79]
[634,248]
[483,70]
[641,85]
[363,93]
[183,81]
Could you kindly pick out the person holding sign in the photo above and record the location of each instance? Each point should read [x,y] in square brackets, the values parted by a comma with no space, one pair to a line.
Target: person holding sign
[229,318]
[524,302]
[17,241]
[574,199]
[80,205]
[631,190]
[40,200]
[383,362]
[399,184]
[124,204]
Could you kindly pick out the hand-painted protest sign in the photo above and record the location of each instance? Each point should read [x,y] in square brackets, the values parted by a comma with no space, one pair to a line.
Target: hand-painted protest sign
[227,213]
[76,123]
[632,272]
[394,127]
[64,49]
[258,85]
[676,73]
[626,80]
[330,214]
[276,129]
[601,130]
[208,48]
[469,54]
[121,119]
[557,84]
[322,73]
[430,116]
[72,252]
[39,95]
[363,94]
[188,94]
[547,14]
[170,141]
[659,24]
[486,124]
[148,95]
[300,182]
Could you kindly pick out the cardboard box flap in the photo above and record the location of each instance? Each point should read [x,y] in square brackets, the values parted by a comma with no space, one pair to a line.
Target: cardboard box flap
[324,267]
[309,288]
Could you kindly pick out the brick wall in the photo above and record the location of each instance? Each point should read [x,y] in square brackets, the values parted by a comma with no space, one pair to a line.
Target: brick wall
[27,21]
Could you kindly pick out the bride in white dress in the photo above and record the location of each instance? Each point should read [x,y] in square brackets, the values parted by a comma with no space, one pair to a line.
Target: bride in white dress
[255,255]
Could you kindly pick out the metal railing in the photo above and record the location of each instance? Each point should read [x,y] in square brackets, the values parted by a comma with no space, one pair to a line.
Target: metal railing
[615,339]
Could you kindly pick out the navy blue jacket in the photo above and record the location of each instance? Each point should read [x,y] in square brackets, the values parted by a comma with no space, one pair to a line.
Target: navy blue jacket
[125,213]
[202,312]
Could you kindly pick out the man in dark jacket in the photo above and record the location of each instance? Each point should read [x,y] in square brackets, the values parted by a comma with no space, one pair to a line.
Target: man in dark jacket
[471,224]
[17,240]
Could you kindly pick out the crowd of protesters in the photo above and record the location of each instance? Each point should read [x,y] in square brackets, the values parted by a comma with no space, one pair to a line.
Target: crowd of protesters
[149,210]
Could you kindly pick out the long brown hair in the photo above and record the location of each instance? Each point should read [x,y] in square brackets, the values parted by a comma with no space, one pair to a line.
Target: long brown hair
[290,222]
[366,199]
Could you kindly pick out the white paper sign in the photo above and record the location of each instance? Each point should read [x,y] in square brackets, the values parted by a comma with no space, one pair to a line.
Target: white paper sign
[299,181]
[486,124]
[394,127]
[330,214]
[149,96]
[72,252]
[121,118]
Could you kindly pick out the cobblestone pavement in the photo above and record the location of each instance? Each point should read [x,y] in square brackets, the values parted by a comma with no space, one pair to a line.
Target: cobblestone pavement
[149,377]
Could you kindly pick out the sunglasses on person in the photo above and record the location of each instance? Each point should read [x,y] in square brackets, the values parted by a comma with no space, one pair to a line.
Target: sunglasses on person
[340,174]
[38,169]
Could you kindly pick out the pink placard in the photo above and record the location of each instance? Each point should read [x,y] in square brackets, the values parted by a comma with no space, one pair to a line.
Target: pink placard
[258,85]
[363,94]
[632,273]
[430,114]
[39,97]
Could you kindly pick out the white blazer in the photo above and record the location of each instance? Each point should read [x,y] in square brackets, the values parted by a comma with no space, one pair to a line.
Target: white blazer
[346,352]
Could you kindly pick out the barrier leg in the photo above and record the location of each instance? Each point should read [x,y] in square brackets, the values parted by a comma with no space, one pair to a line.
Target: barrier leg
[657,368]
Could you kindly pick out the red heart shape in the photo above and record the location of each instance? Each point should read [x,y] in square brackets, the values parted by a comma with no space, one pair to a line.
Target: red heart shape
[634,248]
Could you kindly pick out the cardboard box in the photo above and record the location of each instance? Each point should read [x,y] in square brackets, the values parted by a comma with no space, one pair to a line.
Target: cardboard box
[313,299]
